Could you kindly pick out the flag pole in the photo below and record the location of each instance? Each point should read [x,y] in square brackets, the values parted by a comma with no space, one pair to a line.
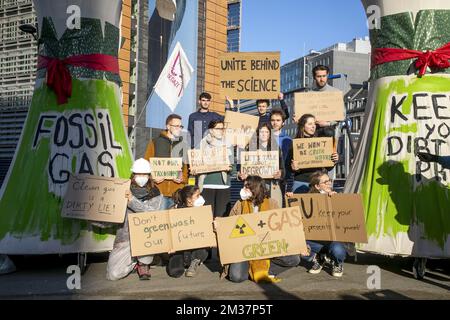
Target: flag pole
[140,115]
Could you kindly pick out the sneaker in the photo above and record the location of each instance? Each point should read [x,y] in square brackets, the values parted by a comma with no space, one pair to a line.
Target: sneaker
[316,267]
[143,271]
[192,270]
[337,270]
[325,259]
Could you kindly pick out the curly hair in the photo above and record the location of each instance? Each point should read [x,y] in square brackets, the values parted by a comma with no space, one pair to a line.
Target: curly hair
[257,186]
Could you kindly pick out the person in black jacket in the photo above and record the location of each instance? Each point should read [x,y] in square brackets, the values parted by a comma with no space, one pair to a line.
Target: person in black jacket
[199,121]
[306,129]
[187,197]
[263,105]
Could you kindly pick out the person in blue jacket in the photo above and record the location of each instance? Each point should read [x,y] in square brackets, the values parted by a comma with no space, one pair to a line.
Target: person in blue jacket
[444,161]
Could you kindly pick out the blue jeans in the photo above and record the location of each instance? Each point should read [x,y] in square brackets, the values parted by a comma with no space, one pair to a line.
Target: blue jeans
[168,203]
[335,250]
[300,187]
[238,272]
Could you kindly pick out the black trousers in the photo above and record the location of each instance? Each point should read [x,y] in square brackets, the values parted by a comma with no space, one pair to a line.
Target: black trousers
[181,260]
[219,199]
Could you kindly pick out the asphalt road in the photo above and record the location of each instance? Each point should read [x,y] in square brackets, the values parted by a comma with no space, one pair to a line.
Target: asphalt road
[45,277]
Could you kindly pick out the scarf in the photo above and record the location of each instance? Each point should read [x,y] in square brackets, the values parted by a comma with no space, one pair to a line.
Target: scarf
[259,269]
[143,194]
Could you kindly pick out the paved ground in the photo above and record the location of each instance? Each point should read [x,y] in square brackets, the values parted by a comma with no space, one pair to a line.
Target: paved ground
[45,277]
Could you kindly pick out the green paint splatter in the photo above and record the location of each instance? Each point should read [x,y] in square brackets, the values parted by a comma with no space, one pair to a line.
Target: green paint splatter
[29,208]
[391,202]
[407,128]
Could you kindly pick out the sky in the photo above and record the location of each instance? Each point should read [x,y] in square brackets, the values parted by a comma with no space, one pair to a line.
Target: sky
[290,26]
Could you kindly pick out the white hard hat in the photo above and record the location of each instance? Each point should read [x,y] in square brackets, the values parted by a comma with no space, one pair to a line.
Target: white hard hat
[141,166]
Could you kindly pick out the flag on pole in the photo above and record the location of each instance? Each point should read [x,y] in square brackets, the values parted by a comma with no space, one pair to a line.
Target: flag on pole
[174,77]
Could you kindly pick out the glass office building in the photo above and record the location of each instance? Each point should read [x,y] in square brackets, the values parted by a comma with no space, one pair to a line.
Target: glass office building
[234,25]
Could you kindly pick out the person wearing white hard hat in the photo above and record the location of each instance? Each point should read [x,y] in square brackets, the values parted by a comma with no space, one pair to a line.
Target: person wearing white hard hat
[144,196]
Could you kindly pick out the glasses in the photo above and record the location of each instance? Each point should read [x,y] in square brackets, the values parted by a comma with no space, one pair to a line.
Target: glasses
[327,181]
[178,127]
[205,100]
[221,129]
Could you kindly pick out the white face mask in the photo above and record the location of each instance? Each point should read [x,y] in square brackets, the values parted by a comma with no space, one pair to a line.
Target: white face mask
[199,202]
[141,181]
[245,195]
[322,192]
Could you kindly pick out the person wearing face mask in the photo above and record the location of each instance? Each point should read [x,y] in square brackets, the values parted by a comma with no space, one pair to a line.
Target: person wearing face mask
[169,144]
[301,177]
[264,142]
[254,199]
[187,197]
[215,186]
[321,251]
[143,196]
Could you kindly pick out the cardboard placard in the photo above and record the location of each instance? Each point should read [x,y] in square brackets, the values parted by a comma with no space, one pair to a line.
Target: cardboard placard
[240,127]
[206,160]
[166,168]
[171,230]
[336,218]
[250,75]
[269,234]
[260,163]
[96,198]
[313,152]
[325,106]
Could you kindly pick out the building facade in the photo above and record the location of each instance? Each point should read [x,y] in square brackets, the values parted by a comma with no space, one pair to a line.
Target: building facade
[18,60]
[234,25]
[349,65]
[153,49]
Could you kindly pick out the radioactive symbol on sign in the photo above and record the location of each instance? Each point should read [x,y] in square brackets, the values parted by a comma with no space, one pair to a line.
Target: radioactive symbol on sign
[242,229]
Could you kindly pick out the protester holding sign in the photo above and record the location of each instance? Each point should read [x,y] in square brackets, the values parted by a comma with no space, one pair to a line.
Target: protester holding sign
[254,199]
[284,142]
[187,197]
[263,105]
[264,144]
[326,127]
[144,197]
[321,72]
[215,186]
[200,120]
[306,129]
[169,144]
[321,183]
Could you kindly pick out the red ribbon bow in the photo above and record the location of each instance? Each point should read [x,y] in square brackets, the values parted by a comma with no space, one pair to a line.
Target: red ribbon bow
[438,58]
[59,78]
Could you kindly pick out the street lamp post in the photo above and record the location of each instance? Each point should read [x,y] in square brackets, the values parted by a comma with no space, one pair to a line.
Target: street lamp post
[306,65]
[30,29]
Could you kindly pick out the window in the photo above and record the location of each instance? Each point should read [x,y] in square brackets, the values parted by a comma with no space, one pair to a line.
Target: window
[234,14]
[233,40]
